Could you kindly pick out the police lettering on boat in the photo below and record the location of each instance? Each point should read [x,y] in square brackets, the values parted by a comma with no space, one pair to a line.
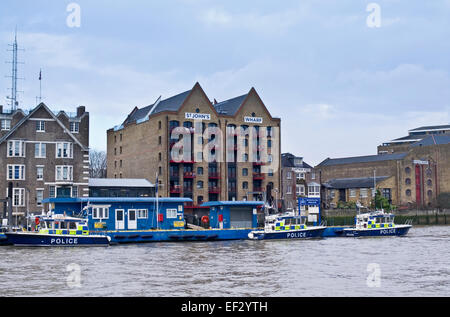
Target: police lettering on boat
[58,230]
[376,224]
[286,226]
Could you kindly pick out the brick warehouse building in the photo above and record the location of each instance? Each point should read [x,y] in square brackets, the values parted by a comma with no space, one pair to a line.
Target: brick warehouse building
[203,150]
[44,155]
[412,178]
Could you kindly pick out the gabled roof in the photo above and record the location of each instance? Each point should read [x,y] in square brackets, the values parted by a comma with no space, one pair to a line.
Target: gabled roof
[231,106]
[359,182]
[363,159]
[433,140]
[173,103]
[431,127]
[288,160]
[24,119]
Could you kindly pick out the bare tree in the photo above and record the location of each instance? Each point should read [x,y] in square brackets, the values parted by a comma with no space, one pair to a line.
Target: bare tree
[97,165]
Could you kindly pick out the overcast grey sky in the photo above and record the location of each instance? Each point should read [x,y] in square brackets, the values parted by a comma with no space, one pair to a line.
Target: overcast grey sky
[340,86]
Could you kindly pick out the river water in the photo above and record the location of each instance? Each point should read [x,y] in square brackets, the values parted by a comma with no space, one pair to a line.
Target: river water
[415,265]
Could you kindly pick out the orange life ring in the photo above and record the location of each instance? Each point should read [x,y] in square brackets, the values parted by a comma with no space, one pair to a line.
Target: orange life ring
[205,219]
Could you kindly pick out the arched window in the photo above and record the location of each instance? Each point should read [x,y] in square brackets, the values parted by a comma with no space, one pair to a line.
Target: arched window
[408,181]
[408,170]
[408,192]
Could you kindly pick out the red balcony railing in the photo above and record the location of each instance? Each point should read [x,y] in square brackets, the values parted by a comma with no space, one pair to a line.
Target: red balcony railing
[176,189]
[258,176]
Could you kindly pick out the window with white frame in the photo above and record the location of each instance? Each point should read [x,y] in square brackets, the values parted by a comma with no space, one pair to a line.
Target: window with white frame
[5,124]
[39,196]
[16,148]
[288,175]
[64,173]
[300,175]
[142,213]
[288,190]
[40,173]
[64,150]
[300,190]
[18,199]
[74,127]
[16,172]
[100,212]
[313,190]
[40,126]
[313,175]
[363,192]
[40,150]
[352,192]
[171,213]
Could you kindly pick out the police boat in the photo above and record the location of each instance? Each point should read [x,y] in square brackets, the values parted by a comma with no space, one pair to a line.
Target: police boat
[287,226]
[376,224]
[58,231]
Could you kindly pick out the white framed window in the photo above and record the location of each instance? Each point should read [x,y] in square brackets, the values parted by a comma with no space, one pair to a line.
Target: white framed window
[171,213]
[100,212]
[40,126]
[74,127]
[363,192]
[288,175]
[18,199]
[39,196]
[5,124]
[352,192]
[64,173]
[39,173]
[64,150]
[288,190]
[300,190]
[300,175]
[142,213]
[313,175]
[40,150]
[313,190]
[16,148]
[15,172]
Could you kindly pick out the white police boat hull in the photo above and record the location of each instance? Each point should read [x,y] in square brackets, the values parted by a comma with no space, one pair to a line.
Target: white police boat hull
[32,239]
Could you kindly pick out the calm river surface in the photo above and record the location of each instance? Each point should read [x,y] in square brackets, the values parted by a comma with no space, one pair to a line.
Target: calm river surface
[415,265]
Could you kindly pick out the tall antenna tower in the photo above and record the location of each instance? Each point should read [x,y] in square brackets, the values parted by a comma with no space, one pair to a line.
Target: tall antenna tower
[13,97]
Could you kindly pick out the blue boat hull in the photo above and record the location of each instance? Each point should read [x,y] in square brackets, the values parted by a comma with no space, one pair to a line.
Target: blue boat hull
[36,239]
[309,233]
[148,236]
[399,230]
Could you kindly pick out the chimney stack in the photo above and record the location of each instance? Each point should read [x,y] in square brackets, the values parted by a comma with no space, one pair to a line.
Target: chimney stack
[80,111]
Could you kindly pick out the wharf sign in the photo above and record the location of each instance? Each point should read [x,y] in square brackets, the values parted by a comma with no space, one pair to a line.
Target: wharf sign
[197,116]
[253,120]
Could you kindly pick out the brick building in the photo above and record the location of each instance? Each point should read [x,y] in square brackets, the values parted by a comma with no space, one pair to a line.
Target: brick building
[43,154]
[411,174]
[203,150]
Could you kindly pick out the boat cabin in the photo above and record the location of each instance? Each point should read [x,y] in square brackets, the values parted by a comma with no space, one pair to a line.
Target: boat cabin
[285,222]
[235,214]
[123,213]
[374,220]
[60,224]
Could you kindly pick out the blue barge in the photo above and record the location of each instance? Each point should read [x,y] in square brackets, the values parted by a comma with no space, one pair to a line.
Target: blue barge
[143,219]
